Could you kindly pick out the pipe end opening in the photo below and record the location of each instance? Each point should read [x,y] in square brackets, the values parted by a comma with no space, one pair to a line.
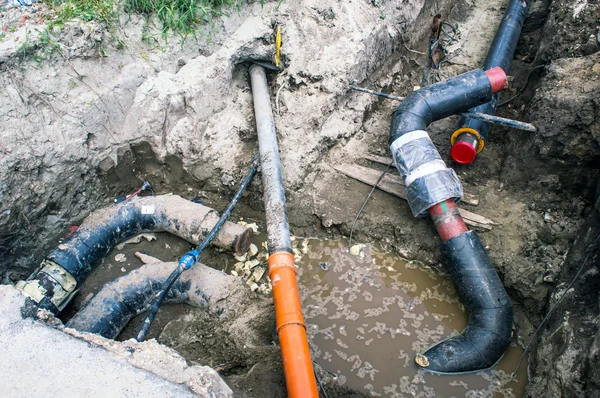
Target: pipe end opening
[243,241]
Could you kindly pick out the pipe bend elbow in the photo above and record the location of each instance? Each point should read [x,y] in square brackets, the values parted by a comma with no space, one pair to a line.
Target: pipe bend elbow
[489,328]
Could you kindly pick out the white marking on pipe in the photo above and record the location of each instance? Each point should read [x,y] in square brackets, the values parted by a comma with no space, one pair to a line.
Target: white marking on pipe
[148,209]
[423,170]
[408,137]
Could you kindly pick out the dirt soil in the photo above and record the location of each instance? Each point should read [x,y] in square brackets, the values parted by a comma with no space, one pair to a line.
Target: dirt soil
[91,122]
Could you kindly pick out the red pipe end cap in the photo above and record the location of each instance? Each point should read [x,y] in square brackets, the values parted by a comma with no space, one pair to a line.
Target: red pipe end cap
[463,153]
[497,78]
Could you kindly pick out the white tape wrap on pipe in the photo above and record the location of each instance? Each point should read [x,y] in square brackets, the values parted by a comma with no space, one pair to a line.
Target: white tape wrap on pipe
[427,179]
[423,170]
[413,135]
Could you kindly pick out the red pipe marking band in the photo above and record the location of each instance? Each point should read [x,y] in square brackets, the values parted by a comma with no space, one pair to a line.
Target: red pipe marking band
[447,220]
[497,78]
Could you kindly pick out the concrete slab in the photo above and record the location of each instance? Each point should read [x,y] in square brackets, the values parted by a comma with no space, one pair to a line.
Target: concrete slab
[39,360]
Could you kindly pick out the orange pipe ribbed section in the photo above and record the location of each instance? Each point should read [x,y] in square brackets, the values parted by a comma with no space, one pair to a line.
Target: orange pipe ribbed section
[291,328]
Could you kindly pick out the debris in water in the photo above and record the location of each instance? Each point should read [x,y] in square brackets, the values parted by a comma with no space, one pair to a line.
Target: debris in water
[137,239]
[422,360]
[323,266]
[253,250]
[146,259]
[252,226]
[120,258]
[123,269]
[357,249]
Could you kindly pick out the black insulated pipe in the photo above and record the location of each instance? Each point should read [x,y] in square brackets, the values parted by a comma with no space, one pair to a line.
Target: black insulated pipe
[432,188]
[500,54]
[417,159]
[67,266]
[488,331]
[111,309]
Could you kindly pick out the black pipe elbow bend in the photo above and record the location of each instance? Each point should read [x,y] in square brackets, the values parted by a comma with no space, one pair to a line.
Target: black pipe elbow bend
[490,311]
[431,185]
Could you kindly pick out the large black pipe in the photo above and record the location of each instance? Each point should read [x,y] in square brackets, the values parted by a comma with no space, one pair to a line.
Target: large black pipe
[109,311]
[500,54]
[67,266]
[432,188]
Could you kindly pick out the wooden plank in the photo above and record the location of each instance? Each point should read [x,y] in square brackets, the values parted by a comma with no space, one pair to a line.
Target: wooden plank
[391,184]
[468,198]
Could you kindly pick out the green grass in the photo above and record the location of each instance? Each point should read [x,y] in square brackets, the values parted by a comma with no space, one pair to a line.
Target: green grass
[105,11]
[39,50]
[182,17]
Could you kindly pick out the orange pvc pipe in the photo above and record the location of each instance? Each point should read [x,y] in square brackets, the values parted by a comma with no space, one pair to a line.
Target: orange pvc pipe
[291,328]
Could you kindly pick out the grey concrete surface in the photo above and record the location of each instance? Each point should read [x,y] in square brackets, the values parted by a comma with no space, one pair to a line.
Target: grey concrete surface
[38,360]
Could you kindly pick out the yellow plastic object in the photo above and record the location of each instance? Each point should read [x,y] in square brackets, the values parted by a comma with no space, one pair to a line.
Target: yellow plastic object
[278,46]
[480,141]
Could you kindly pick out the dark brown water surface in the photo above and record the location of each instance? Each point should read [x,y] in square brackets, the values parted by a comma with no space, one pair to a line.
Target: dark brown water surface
[370,312]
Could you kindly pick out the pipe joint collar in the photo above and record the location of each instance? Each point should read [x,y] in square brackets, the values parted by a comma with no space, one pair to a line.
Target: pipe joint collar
[279,260]
[427,179]
[53,283]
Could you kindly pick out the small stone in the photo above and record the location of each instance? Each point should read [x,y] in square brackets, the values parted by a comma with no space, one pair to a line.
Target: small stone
[120,258]
[253,250]
[253,287]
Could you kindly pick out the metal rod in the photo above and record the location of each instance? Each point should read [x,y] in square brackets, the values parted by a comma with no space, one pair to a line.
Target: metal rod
[378,93]
[278,228]
[500,120]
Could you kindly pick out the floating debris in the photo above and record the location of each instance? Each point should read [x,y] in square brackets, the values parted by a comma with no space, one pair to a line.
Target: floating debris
[253,250]
[252,226]
[120,258]
[357,249]
[323,266]
[137,239]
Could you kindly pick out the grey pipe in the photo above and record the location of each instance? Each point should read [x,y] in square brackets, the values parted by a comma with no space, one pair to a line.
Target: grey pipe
[278,228]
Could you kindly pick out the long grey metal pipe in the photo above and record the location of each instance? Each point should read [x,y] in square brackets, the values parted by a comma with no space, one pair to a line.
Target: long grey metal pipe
[278,227]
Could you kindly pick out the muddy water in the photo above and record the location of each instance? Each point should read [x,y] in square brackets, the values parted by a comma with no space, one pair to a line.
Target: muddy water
[370,312]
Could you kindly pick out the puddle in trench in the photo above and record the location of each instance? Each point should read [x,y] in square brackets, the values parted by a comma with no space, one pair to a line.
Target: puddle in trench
[369,314]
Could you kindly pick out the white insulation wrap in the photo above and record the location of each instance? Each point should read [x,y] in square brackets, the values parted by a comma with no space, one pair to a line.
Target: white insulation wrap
[428,181]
